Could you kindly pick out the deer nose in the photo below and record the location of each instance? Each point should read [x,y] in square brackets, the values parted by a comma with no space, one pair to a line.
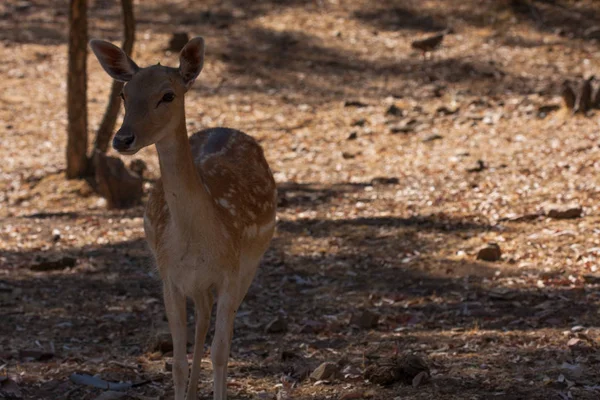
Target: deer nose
[123,139]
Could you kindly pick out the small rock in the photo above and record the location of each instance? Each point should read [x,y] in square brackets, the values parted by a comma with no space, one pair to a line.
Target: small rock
[592,32]
[419,378]
[406,126]
[592,279]
[544,110]
[35,354]
[162,342]
[577,328]
[502,293]
[394,110]
[566,213]
[326,371]
[312,327]
[55,235]
[22,6]
[45,264]
[278,325]
[580,346]
[178,41]
[480,166]
[398,369]
[383,180]
[574,342]
[352,136]
[365,319]
[355,103]
[287,355]
[432,138]
[444,110]
[491,252]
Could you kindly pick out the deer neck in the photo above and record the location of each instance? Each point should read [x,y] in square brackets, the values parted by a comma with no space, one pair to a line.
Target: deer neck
[184,190]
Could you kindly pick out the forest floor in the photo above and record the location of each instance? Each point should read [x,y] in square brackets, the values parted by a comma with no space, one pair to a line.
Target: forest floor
[381,209]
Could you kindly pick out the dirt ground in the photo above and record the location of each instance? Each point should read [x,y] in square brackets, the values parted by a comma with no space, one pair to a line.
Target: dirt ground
[382,209]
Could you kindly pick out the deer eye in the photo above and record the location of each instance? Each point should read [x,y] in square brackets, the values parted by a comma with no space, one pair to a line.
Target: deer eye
[168,97]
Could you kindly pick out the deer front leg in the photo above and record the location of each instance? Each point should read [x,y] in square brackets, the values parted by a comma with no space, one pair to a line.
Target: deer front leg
[176,314]
[203,306]
[226,309]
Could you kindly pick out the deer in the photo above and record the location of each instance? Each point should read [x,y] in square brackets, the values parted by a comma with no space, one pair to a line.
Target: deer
[209,219]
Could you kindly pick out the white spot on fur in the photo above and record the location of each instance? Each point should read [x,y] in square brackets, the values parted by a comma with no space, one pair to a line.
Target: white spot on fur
[266,227]
[251,231]
[224,202]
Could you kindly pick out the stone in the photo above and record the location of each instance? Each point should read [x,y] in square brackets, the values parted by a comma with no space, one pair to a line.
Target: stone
[162,342]
[53,264]
[384,180]
[406,126]
[326,371]
[566,213]
[277,325]
[365,319]
[394,110]
[491,252]
[432,138]
[592,279]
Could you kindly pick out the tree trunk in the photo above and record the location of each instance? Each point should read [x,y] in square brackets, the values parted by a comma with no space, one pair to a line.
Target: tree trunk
[76,91]
[107,125]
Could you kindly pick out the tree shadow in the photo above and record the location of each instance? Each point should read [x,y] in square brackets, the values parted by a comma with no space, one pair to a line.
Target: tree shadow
[394,16]
[305,65]
[319,270]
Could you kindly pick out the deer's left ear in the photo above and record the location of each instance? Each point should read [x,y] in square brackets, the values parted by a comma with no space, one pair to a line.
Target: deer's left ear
[191,61]
[114,60]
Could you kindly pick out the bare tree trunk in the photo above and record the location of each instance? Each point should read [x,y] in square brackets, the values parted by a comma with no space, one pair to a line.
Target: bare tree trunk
[107,125]
[76,91]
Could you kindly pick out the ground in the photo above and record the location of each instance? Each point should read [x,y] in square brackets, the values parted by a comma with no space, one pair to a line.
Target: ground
[380,208]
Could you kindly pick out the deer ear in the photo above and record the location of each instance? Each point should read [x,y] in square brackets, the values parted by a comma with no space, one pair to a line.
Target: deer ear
[191,61]
[114,60]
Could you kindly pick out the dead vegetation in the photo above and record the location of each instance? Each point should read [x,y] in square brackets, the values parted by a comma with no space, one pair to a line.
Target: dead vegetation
[394,171]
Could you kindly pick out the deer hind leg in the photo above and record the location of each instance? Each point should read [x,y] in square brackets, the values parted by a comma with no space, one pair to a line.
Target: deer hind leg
[227,305]
[177,316]
[203,306]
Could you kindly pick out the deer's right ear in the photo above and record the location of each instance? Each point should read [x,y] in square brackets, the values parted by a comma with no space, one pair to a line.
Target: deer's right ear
[114,60]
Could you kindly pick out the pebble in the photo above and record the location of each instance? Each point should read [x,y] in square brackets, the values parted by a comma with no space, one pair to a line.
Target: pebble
[491,252]
[326,371]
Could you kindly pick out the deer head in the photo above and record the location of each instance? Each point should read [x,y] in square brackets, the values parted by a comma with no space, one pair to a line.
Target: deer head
[153,96]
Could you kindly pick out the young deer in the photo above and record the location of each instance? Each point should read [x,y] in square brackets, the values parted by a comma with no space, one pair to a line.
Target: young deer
[211,216]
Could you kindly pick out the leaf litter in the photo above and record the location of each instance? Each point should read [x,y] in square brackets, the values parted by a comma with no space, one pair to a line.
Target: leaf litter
[385,223]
